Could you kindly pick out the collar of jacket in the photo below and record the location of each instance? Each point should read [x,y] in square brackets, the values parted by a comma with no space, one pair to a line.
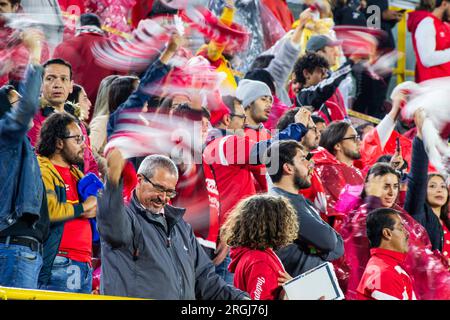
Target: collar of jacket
[389,256]
[173,214]
[257,127]
[215,133]
[45,162]
[69,107]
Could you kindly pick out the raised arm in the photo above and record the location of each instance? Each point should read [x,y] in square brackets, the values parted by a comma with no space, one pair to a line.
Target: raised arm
[113,223]
[155,72]
[417,178]
[15,123]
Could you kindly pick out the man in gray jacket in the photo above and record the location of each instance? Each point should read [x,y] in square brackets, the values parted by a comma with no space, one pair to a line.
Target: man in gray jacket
[148,250]
[317,242]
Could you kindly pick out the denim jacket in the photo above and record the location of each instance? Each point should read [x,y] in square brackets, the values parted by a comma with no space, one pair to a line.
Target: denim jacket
[21,188]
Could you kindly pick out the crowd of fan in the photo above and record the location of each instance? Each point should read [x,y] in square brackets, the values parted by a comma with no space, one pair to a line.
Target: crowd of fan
[288,180]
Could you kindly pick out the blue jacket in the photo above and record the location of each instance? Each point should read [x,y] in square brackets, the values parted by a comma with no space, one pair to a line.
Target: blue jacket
[156,71]
[21,188]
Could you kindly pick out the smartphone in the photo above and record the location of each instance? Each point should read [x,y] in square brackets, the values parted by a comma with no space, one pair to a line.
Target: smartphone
[397,144]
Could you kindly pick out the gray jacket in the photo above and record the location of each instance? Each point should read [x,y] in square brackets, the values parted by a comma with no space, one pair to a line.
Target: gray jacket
[317,241]
[140,259]
[281,66]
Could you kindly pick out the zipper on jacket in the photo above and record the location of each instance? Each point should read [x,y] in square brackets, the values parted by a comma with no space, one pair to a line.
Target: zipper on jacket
[172,256]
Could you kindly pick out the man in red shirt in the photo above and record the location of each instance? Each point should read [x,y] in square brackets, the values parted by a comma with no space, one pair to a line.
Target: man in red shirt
[384,277]
[230,156]
[68,250]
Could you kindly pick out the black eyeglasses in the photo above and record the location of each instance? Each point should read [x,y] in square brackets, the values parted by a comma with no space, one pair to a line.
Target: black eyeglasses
[79,138]
[169,193]
[354,138]
[242,116]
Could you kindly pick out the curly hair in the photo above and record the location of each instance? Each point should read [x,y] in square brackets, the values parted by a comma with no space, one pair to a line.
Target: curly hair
[260,222]
[310,61]
[53,128]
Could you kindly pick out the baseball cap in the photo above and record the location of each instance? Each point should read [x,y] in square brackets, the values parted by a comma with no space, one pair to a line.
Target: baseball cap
[316,43]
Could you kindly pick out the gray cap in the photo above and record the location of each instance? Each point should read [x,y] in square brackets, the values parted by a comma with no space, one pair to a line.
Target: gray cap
[315,43]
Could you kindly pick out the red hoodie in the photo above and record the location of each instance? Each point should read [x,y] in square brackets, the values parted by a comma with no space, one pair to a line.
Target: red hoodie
[256,272]
[442,30]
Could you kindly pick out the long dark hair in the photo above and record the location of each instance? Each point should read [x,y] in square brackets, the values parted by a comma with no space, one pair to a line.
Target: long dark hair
[74,97]
[380,169]
[53,128]
[444,216]
[121,88]
[333,134]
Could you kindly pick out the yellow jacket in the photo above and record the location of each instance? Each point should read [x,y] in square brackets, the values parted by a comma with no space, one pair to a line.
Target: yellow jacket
[58,207]
[214,52]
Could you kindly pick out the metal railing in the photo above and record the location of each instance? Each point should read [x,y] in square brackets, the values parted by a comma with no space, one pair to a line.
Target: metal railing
[7,293]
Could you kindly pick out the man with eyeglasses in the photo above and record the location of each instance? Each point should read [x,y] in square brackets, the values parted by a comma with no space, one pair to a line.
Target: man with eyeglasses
[68,249]
[232,158]
[334,162]
[148,250]
[385,277]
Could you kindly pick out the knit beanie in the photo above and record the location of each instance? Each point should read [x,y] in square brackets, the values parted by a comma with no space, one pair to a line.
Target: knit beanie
[250,90]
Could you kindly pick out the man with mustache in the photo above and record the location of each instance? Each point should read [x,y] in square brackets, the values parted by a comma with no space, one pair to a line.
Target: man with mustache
[68,249]
[384,277]
[257,102]
[290,170]
[148,250]
[340,147]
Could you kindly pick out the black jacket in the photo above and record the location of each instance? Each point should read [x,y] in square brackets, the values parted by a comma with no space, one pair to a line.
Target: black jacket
[415,202]
[317,95]
[317,241]
[140,259]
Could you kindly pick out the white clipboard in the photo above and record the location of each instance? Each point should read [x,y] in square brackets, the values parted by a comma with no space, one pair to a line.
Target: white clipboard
[313,284]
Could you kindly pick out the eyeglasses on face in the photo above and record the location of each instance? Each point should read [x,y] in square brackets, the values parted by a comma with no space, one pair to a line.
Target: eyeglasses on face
[354,138]
[242,116]
[169,193]
[79,138]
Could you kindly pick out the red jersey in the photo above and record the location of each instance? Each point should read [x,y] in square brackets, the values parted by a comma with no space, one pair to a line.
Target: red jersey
[256,272]
[76,241]
[384,277]
[442,42]
[229,159]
